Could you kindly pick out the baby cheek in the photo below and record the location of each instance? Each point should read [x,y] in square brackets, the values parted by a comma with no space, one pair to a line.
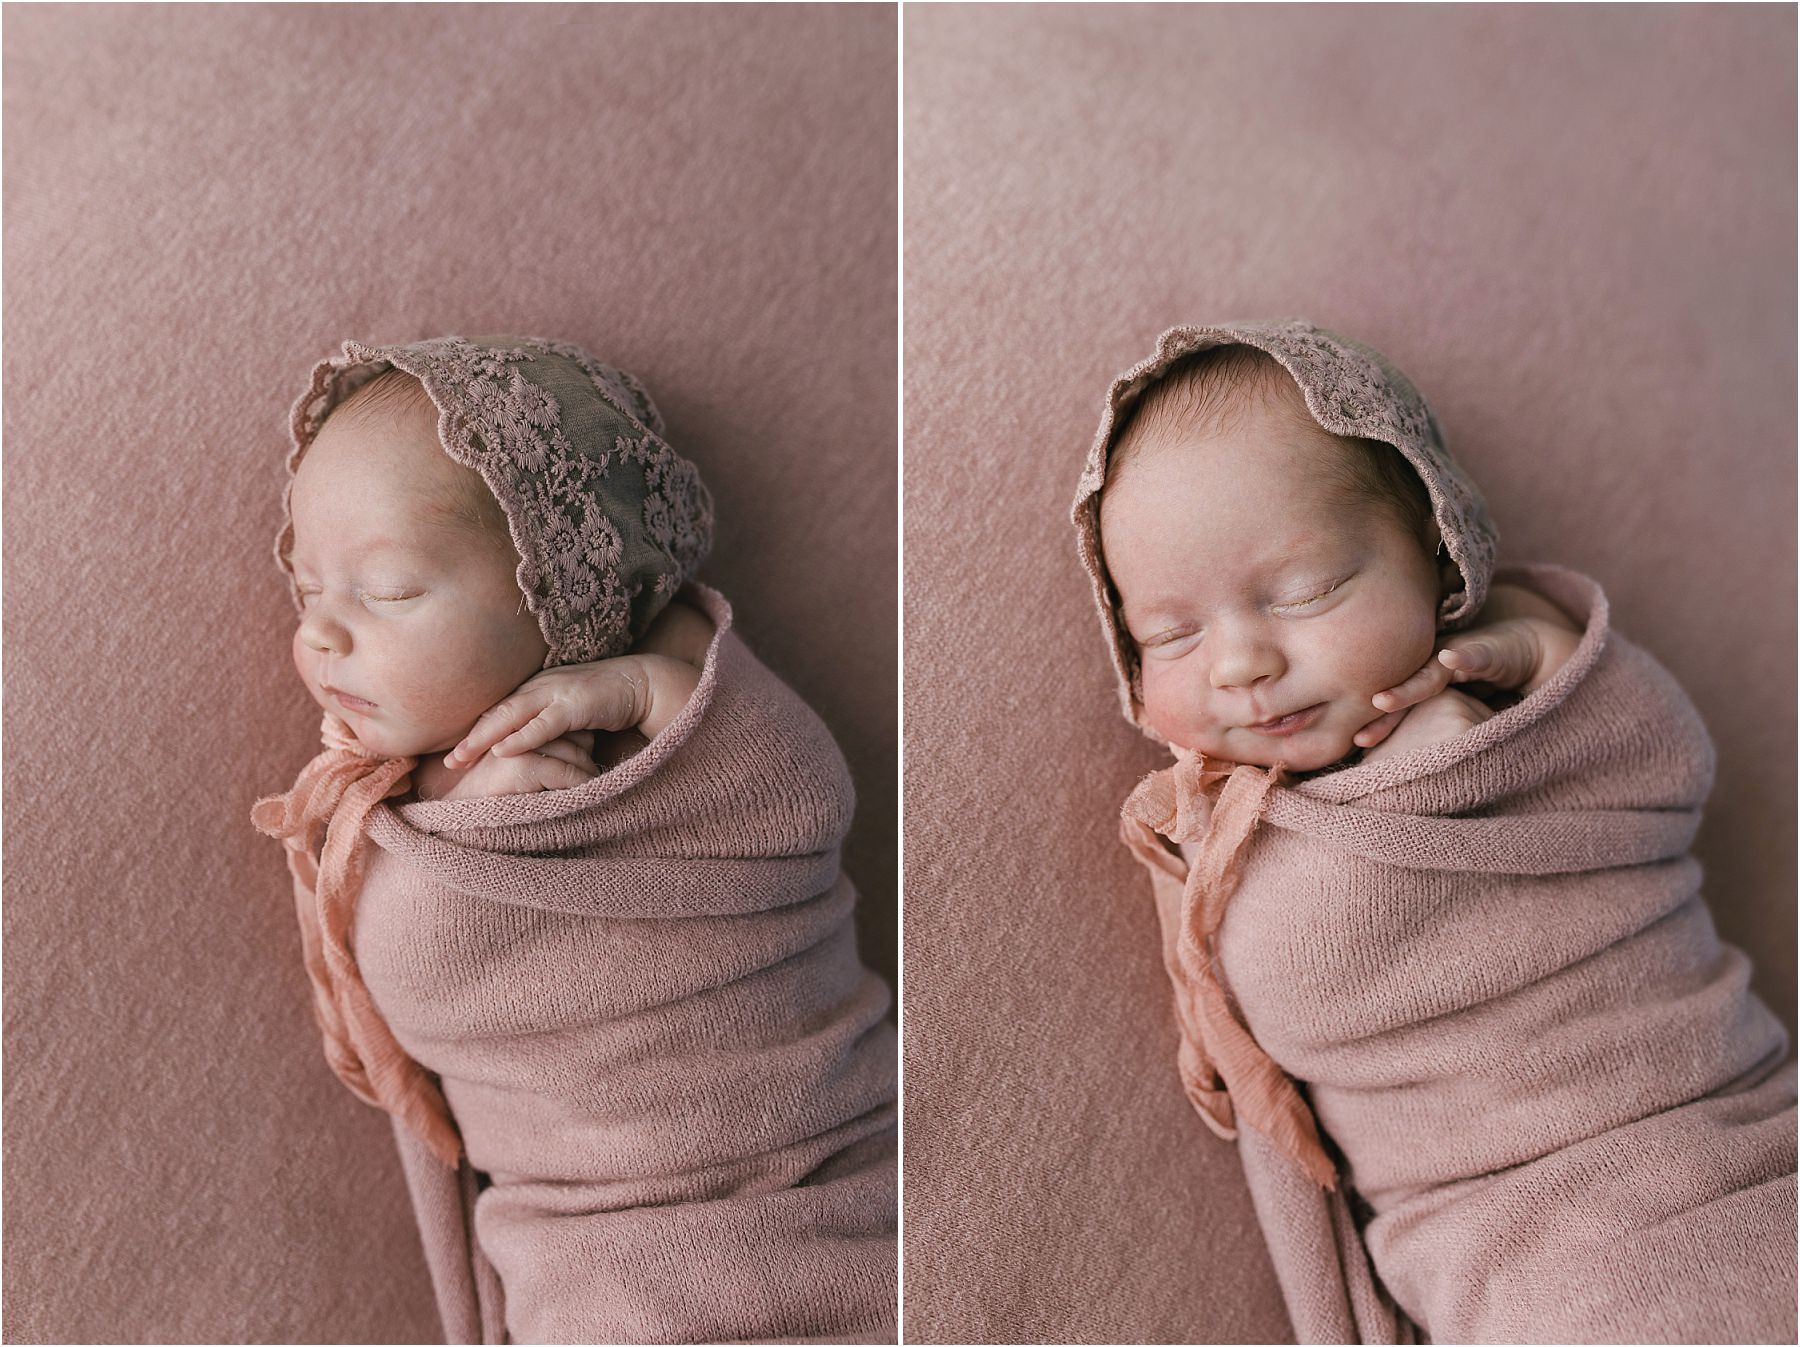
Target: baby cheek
[1172,707]
[1383,656]
[439,687]
[449,679]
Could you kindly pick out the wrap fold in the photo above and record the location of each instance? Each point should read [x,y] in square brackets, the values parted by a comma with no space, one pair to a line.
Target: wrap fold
[673,1079]
[1485,970]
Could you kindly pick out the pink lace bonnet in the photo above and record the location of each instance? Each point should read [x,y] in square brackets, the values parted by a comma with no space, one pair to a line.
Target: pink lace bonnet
[1350,390]
[608,520]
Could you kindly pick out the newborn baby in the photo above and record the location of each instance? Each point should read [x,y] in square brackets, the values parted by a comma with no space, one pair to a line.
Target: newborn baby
[608,988]
[1440,958]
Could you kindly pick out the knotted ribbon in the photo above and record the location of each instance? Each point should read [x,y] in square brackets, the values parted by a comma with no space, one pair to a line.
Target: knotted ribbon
[320,823]
[1224,1071]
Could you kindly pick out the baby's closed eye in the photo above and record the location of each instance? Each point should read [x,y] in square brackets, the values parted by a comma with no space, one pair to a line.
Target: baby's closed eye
[1320,594]
[309,593]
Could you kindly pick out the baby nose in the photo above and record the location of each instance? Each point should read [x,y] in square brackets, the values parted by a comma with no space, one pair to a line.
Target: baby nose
[1244,662]
[324,634]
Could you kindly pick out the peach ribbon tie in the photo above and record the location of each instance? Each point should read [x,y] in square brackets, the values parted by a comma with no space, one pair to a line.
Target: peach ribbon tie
[1224,1071]
[320,824]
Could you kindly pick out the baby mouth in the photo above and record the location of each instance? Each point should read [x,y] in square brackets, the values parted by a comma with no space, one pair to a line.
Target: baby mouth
[1291,723]
[345,700]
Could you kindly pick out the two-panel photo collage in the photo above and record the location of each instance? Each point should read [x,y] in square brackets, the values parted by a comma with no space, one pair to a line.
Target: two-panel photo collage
[1027,673]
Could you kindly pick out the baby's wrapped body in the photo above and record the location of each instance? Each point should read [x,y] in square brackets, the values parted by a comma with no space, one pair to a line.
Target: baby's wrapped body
[1489,963]
[643,1002]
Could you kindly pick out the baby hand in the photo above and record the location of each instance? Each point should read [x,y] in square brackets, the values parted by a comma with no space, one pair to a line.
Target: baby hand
[1525,642]
[643,692]
[561,763]
[1433,721]
[1503,655]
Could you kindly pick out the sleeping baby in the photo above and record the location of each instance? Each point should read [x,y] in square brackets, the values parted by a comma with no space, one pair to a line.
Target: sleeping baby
[567,868]
[1358,556]
[1440,960]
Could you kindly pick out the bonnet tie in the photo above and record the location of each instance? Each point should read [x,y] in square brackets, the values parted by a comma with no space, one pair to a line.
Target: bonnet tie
[1224,1071]
[320,824]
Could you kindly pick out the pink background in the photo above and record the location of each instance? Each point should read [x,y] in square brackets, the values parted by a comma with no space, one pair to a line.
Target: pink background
[1574,228]
[201,201]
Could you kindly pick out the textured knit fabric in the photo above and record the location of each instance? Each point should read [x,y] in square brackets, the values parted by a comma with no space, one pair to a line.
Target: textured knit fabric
[1210,810]
[643,1001]
[1563,1115]
[1351,390]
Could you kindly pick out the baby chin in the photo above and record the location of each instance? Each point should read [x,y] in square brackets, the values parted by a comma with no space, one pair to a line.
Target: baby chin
[1325,738]
[377,730]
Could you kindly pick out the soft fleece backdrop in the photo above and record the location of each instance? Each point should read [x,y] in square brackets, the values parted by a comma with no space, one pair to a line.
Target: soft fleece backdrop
[1573,227]
[200,202]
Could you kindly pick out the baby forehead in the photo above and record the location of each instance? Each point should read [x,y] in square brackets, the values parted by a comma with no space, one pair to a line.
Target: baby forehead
[342,510]
[374,483]
[1273,473]
[391,447]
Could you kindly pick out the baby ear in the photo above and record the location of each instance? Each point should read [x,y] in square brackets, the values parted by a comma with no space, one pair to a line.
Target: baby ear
[1450,576]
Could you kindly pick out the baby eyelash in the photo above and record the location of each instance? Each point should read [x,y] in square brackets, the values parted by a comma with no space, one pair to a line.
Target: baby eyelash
[1301,603]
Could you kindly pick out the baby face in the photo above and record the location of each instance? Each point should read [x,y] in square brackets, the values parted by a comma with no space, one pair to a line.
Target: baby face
[414,623]
[1254,592]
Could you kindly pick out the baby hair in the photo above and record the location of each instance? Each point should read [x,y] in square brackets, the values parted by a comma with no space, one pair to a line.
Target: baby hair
[1208,390]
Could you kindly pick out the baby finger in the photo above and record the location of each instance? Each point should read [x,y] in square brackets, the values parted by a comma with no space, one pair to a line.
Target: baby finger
[550,723]
[1509,653]
[488,729]
[1467,660]
[567,750]
[1426,683]
[1379,728]
[553,774]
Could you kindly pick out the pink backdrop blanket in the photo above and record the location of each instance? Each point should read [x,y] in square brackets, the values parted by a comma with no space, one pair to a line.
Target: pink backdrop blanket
[672,1077]
[1562,1113]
